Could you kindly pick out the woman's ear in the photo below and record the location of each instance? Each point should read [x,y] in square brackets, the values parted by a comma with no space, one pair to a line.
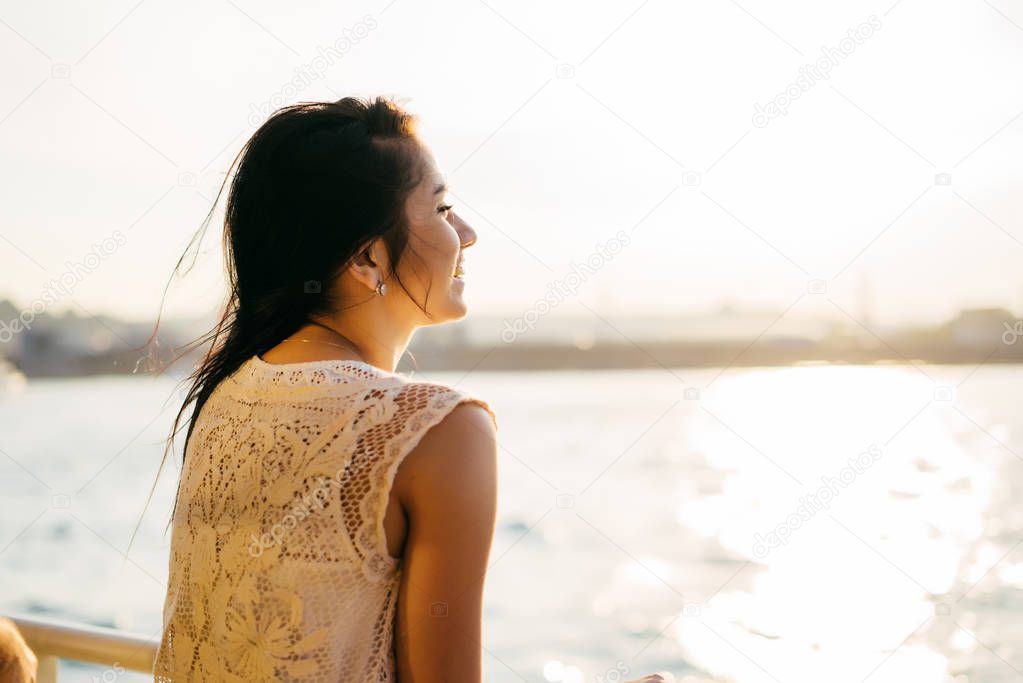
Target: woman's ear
[369,263]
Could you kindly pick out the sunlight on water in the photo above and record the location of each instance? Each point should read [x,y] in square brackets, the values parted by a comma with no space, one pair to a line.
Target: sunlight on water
[860,515]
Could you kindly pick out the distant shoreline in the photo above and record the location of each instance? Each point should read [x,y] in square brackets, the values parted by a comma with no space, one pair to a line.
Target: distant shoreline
[525,357]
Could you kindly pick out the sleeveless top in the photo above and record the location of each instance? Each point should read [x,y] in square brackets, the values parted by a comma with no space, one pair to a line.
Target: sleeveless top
[279,569]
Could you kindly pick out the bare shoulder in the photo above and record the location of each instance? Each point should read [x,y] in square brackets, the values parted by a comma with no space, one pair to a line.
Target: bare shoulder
[455,462]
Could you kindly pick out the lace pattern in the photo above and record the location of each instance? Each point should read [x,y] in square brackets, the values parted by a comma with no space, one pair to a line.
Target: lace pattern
[279,568]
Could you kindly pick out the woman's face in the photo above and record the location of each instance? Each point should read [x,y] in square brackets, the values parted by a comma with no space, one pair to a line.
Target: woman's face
[437,239]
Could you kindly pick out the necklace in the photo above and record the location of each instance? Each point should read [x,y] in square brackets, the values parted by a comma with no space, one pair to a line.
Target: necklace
[333,331]
[348,346]
[316,341]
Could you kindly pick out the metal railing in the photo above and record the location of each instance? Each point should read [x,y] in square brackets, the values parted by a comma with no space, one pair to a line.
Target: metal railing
[51,640]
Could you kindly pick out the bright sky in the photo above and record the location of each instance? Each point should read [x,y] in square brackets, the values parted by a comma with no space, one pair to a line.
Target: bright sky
[559,124]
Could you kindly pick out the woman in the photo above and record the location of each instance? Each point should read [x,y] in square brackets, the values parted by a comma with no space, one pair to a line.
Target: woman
[333,518]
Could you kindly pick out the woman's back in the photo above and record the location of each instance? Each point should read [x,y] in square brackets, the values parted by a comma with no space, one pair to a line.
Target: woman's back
[279,565]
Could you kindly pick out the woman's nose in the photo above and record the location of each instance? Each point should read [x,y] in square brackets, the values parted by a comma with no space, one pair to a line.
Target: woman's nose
[466,233]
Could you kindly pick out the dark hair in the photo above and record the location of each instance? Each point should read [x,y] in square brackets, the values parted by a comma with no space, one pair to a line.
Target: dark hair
[314,185]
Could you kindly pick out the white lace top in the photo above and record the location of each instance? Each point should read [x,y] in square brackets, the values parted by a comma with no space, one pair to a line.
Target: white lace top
[279,569]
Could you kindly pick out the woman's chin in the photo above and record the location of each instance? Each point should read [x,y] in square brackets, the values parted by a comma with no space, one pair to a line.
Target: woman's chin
[458,306]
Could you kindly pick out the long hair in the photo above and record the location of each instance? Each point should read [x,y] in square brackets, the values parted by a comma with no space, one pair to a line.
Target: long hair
[314,185]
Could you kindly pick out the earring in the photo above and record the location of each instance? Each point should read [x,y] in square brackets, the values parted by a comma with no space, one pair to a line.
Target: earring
[381,288]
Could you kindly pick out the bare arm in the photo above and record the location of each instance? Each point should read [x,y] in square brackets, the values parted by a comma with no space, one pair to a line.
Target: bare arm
[448,487]
[18,663]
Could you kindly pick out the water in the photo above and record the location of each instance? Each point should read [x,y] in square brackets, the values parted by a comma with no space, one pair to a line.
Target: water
[719,536]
